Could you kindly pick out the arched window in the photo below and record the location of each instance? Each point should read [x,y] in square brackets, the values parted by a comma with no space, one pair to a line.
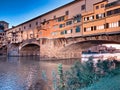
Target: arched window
[77,29]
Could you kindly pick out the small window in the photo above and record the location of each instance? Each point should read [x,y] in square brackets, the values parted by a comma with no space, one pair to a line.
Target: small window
[36,23]
[102,5]
[97,7]
[69,23]
[109,13]
[19,28]
[67,13]
[61,25]
[84,29]
[61,19]
[44,20]
[29,25]
[87,18]
[54,17]
[83,7]
[24,27]
[94,27]
[107,25]
[97,16]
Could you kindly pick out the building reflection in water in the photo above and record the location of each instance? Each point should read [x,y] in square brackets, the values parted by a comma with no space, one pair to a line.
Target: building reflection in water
[19,73]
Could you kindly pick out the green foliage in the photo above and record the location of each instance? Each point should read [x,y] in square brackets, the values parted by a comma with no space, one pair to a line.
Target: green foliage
[106,83]
[88,73]
[80,75]
[61,76]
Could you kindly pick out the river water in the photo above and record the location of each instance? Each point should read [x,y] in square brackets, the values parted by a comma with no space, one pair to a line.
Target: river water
[19,73]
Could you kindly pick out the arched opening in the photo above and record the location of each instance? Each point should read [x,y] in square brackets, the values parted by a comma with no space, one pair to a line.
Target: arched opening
[89,47]
[30,50]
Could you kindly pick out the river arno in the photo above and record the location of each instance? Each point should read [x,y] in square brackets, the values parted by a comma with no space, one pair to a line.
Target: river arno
[19,73]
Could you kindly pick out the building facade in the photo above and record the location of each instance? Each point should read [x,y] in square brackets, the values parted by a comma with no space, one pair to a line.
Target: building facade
[3,27]
[78,18]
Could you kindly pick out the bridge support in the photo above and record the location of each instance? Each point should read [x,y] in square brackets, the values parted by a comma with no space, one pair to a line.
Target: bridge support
[58,49]
[13,50]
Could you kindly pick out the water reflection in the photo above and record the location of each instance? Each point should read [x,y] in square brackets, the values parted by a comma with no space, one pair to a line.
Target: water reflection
[19,73]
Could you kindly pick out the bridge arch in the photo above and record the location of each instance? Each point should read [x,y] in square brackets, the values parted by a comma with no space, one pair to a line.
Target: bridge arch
[76,48]
[29,48]
[87,44]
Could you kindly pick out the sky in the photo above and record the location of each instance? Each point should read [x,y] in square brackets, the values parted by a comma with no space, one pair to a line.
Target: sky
[18,11]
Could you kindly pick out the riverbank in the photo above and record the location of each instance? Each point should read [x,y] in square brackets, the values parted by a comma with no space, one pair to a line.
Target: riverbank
[103,56]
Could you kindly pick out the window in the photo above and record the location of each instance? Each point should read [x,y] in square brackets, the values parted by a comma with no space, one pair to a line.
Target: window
[63,32]
[97,7]
[99,16]
[31,35]
[24,27]
[84,29]
[114,24]
[2,27]
[94,27]
[88,29]
[44,20]
[100,27]
[67,13]
[91,17]
[87,18]
[61,25]
[112,4]
[69,31]
[54,17]
[36,23]
[109,13]
[117,11]
[29,25]
[77,18]
[77,29]
[102,5]
[19,28]
[83,7]
[68,22]
[107,25]
[61,19]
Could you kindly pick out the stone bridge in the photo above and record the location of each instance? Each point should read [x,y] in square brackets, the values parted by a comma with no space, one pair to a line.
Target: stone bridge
[60,48]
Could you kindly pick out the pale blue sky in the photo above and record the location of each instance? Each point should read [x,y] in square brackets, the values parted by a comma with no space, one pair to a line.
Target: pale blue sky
[19,11]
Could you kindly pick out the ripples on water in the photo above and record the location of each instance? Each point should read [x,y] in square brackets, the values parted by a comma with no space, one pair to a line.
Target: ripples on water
[19,73]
